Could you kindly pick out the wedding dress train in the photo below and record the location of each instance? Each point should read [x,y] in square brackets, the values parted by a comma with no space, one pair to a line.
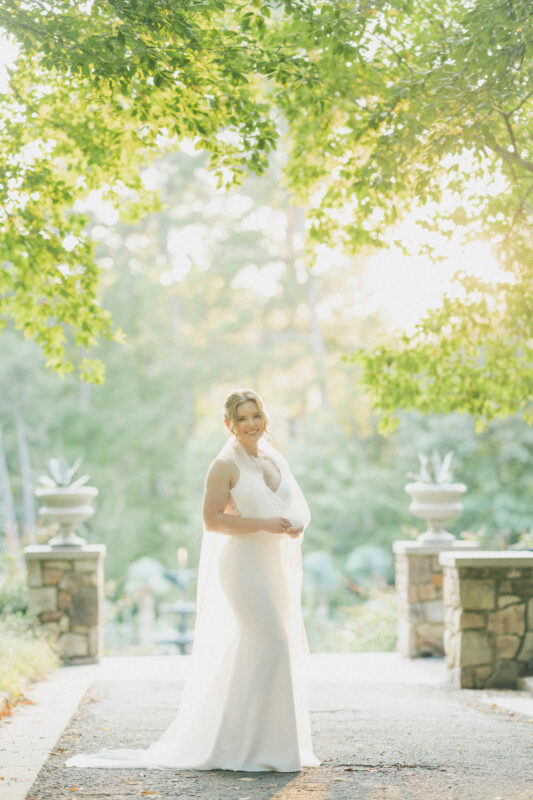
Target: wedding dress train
[244,705]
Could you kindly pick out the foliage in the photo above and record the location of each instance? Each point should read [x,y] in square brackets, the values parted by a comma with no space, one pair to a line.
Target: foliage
[526,539]
[146,574]
[450,123]
[189,286]
[94,93]
[367,563]
[25,655]
[368,626]
[494,464]
[434,469]
[62,475]
[487,539]
[27,652]
[390,108]
[319,568]
[13,590]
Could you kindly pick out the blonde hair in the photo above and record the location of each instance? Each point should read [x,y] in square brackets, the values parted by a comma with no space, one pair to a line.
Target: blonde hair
[235,399]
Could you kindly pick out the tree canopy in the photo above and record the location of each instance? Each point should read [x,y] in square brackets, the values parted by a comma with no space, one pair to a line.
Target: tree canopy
[208,314]
[389,108]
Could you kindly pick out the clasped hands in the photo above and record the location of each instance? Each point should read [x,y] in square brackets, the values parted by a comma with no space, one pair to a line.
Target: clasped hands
[283,525]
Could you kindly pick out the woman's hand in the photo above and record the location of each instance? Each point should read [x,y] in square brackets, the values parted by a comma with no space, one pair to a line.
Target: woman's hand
[282,525]
[294,532]
[277,525]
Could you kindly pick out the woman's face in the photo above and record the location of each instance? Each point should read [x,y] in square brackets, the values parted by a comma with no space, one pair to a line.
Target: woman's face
[250,424]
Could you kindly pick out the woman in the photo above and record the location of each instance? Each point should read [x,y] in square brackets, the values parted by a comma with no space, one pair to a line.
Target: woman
[244,705]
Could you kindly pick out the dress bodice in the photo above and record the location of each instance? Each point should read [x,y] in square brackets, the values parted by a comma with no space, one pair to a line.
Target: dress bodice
[252,497]
[283,491]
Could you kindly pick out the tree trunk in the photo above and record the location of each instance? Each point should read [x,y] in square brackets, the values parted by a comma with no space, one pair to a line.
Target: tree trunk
[295,226]
[187,399]
[28,503]
[317,340]
[369,520]
[11,540]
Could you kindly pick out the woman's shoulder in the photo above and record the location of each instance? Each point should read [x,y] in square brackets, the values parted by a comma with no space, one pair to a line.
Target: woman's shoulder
[223,468]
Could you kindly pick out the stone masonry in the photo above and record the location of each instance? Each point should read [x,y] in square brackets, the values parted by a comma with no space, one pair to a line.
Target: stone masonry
[419,592]
[488,601]
[65,593]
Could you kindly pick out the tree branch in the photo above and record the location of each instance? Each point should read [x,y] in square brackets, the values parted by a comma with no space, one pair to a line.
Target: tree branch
[510,131]
[518,211]
[521,103]
[511,158]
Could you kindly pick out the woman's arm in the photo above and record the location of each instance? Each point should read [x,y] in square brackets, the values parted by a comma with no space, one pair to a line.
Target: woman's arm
[221,477]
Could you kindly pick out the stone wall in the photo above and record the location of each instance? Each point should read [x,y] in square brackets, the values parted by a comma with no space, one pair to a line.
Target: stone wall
[488,599]
[419,593]
[65,593]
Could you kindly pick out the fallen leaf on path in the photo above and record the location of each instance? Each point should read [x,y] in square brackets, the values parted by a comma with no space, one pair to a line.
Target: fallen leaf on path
[147,791]
[27,701]
[247,779]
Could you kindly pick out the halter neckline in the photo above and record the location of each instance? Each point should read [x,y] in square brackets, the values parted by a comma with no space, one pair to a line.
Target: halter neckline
[240,447]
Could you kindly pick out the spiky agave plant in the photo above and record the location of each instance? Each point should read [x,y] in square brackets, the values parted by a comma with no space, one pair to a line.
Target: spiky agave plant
[62,475]
[433,469]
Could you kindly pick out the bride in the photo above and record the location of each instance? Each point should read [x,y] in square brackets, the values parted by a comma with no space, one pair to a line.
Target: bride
[244,705]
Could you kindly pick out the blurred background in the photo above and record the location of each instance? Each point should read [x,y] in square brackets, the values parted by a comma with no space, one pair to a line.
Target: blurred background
[213,294]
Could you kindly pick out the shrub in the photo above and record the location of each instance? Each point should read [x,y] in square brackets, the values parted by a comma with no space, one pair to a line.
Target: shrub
[367,626]
[25,655]
[13,589]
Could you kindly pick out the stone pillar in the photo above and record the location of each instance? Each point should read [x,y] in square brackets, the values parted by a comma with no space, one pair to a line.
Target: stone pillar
[488,600]
[66,594]
[419,592]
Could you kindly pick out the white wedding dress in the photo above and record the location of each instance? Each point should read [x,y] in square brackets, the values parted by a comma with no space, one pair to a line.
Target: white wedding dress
[244,705]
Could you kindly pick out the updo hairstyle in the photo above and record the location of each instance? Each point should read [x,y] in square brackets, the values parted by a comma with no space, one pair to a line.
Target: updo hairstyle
[242,396]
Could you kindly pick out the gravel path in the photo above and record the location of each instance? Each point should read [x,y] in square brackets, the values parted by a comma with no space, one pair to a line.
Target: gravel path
[377,741]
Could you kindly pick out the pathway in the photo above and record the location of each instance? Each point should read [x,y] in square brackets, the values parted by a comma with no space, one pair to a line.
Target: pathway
[385,728]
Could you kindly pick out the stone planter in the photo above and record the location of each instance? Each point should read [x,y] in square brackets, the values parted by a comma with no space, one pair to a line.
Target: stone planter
[435,503]
[66,507]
